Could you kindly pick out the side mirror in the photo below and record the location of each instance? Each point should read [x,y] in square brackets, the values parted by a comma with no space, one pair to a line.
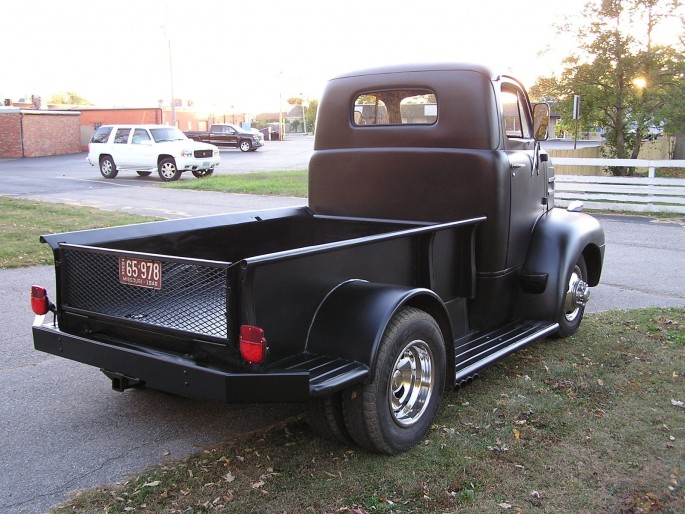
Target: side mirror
[540,121]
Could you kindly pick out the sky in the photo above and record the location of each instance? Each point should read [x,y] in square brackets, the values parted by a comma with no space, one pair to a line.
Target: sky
[251,56]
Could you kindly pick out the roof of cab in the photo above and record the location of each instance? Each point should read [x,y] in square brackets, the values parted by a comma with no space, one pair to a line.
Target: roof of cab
[422,67]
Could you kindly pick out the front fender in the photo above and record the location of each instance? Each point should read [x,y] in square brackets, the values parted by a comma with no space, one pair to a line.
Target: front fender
[352,319]
[559,239]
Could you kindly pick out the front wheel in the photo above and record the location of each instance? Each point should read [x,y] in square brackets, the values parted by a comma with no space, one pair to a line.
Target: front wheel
[392,413]
[245,146]
[202,173]
[107,167]
[168,171]
[575,298]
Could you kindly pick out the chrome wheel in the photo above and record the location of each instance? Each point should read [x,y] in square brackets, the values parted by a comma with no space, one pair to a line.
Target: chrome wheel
[391,413]
[573,299]
[577,295]
[245,146]
[107,167]
[411,385]
[168,171]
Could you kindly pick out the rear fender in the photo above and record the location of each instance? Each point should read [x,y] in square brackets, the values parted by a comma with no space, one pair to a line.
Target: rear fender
[558,241]
[351,320]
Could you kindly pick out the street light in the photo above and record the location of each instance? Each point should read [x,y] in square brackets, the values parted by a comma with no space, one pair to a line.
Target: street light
[640,82]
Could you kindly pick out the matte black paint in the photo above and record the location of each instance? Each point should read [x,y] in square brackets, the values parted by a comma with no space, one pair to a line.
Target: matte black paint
[454,218]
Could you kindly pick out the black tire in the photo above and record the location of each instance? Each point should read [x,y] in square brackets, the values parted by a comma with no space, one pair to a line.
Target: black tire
[325,418]
[202,173]
[245,145]
[572,310]
[392,413]
[168,171]
[144,173]
[107,167]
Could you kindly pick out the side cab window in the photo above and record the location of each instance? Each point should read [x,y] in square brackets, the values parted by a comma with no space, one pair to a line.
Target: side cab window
[515,116]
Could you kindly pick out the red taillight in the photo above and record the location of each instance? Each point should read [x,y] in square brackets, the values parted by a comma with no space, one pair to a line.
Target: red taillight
[39,300]
[252,344]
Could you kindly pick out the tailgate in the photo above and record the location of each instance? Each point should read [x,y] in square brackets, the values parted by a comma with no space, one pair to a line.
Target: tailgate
[181,294]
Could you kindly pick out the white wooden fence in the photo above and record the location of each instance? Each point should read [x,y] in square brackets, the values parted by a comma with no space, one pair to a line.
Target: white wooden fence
[635,194]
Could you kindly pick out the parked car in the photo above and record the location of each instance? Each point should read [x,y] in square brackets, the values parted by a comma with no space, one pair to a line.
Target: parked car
[229,135]
[146,148]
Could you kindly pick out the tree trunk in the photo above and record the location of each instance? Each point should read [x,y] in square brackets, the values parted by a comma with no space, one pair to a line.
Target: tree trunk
[679,148]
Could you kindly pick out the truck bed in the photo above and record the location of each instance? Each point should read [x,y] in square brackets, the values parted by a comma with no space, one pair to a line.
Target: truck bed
[204,260]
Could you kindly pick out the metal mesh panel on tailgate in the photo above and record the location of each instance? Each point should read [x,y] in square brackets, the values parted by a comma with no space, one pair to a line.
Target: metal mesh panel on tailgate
[192,297]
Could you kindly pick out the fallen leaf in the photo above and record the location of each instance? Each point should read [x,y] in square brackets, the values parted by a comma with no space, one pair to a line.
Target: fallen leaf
[257,485]
[228,477]
[678,403]
[505,506]
[152,484]
[517,434]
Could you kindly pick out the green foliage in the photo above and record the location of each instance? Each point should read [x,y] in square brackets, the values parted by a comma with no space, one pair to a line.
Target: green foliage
[310,114]
[626,83]
[22,222]
[69,98]
[276,183]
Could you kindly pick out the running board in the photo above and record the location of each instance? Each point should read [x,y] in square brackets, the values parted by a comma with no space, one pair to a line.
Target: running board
[477,350]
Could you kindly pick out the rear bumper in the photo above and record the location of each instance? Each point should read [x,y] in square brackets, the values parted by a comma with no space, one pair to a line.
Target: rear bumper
[292,381]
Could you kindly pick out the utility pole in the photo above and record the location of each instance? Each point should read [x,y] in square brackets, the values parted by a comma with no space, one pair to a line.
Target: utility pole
[171,79]
[576,117]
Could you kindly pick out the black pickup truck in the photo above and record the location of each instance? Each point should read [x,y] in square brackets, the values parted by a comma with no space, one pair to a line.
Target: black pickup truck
[430,247]
[229,135]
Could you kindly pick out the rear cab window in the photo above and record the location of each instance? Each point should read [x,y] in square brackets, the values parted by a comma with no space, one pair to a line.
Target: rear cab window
[395,107]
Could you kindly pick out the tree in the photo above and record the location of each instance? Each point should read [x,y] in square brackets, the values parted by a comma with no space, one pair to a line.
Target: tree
[69,98]
[625,81]
[310,114]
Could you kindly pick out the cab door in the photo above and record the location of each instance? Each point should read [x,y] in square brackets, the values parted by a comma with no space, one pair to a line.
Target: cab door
[527,183]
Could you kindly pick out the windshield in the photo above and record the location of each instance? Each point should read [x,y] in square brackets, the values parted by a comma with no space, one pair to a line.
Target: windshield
[167,134]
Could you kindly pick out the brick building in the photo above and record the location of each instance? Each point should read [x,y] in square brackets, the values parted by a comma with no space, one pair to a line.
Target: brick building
[36,132]
[33,133]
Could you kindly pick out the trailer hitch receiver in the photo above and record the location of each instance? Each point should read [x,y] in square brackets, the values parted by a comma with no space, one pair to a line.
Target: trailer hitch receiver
[122,382]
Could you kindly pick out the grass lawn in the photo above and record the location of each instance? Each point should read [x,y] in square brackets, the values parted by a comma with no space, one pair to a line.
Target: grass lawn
[276,183]
[589,424]
[22,222]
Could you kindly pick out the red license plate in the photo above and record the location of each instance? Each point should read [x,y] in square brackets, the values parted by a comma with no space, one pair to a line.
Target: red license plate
[140,272]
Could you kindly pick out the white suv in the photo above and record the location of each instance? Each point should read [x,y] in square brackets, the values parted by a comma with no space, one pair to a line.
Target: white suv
[145,148]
